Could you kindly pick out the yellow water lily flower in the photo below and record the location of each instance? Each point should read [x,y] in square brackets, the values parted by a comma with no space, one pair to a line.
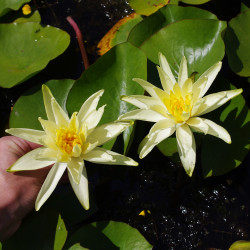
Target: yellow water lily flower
[176,109]
[67,143]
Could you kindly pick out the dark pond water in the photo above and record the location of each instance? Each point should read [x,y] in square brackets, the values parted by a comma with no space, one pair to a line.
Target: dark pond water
[183,213]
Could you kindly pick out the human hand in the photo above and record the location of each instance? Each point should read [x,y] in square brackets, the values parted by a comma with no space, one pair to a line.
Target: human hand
[18,191]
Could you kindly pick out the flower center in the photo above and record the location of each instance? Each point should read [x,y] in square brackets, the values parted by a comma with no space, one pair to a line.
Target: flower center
[179,106]
[66,139]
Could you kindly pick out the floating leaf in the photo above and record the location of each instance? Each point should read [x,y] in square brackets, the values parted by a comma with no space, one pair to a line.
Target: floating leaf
[36,232]
[7,5]
[146,8]
[199,40]
[194,1]
[237,43]
[26,48]
[61,234]
[77,246]
[240,245]
[118,33]
[30,106]
[109,235]
[166,15]
[35,17]
[217,156]
[113,72]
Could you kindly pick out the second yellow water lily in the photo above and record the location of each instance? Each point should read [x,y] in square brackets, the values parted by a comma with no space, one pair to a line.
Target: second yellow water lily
[177,108]
[67,143]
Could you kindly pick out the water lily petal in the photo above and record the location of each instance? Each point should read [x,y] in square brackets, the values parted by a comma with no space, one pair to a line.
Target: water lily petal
[198,87]
[48,126]
[198,124]
[47,97]
[103,156]
[210,74]
[216,100]
[142,101]
[152,90]
[166,82]
[218,131]
[81,190]
[207,102]
[75,167]
[89,105]
[47,154]
[50,183]
[186,148]
[183,72]
[61,117]
[165,66]
[29,162]
[143,115]
[106,132]
[27,134]
[159,132]
[74,123]
[94,118]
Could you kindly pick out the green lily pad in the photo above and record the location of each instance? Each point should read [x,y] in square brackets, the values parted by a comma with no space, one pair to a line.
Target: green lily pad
[37,231]
[199,40]
[163,17]
[61,234]
[77,246]
[113,72]
[26,48]
[35,17]
[109,235]
[240,245]
[7,5]
[146,8]
[218,157]
[237,43]
[30,106]
[194,1]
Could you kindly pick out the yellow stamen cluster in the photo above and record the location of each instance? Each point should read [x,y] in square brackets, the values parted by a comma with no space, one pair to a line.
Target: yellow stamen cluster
[178,106]
[66,140]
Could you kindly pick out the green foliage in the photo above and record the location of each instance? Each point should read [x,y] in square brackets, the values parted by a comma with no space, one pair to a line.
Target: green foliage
[77,246]
[109,235]
[217,156]
[26,48]
[237,44]
[195,1]
[165,16]
[7,5]
[146,8]
[30,105]
[190,38]
[240,245]
[113,72]
[61,234]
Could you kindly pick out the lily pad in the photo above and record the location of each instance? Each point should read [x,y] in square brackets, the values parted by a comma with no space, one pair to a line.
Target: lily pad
[30,106]
[166,15]
[217,156]
[61,234]
[240,245]
[35,17]
[199,40]
[7,5]
[37,45]
[146,8]
[237,43]
[194,1]
[109,235]
[113,72]
[77,246]
[118,33]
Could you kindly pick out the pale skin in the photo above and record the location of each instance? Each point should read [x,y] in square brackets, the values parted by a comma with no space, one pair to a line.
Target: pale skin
[18,191]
